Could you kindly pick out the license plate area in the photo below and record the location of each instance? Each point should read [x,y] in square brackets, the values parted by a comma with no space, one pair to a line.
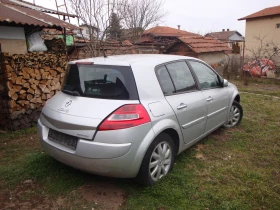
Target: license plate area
[63,139]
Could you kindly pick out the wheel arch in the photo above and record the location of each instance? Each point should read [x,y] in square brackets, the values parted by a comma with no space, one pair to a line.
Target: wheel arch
[237,98]
[175,137]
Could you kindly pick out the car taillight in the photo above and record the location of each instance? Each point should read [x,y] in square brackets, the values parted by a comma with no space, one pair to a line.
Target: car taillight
[126,116]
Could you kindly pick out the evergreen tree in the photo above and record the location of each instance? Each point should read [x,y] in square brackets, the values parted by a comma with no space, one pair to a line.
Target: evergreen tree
[115,29]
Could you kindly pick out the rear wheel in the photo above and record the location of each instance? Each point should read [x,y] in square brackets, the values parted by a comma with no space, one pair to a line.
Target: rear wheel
[158,160]
[235,115]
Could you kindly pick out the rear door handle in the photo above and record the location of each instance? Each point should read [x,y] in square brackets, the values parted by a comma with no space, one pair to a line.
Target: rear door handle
[182,106]
[209,99]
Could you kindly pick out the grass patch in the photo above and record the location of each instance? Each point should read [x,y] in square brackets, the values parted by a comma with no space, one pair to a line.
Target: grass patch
[230,169]
[263,86]
[240,168]
[23,159]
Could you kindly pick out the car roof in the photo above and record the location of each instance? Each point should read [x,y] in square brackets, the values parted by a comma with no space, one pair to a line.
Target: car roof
[135,59]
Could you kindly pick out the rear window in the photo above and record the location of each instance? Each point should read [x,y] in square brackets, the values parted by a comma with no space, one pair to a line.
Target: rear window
[100,81]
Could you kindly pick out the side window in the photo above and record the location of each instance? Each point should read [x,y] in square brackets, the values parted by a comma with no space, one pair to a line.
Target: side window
[181,76]
[207,77]
[165,81]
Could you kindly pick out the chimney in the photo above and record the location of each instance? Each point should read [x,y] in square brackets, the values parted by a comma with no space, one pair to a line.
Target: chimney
[179,27]
[223,30]
[228,29]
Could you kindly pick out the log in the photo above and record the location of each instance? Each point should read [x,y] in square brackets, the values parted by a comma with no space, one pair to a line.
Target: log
[30,90]
[19,81]
[45,75]
[44,97]
[42,87]
[37,91]
[17,88]
[29,97]
[22,96]
[10,85]
[22,92]
[26,75]
[33,100]
[26,85]
[46,90]
[14,96]
[11,92]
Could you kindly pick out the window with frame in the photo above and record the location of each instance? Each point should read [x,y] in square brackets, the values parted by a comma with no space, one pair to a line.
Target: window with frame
[207,78]
[278,25]
[165,81]
[175,78]
[181,76]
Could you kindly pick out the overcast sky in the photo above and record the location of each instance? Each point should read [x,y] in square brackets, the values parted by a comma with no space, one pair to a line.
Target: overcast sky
[202,16]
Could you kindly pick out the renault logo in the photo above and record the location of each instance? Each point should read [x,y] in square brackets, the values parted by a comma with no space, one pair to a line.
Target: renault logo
[68,103]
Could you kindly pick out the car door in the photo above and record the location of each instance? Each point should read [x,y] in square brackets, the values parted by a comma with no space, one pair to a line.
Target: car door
[215,95]
[182,93]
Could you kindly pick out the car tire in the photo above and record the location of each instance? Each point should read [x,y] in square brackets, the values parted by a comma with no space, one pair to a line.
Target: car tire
[158,160]
[235,115]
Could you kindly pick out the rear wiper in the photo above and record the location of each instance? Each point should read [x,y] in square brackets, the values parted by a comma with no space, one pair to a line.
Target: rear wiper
[72,93]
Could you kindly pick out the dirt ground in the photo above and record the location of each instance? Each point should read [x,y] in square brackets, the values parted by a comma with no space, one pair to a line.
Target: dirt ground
[99,195]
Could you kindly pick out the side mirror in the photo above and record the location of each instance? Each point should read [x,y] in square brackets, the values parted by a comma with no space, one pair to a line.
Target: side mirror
[225,83]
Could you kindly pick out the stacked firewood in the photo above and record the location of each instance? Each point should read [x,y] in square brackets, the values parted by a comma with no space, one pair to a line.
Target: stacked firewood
[31,80]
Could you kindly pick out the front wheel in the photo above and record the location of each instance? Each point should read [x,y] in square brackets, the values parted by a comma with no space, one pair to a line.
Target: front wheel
[158,160]
[235,115]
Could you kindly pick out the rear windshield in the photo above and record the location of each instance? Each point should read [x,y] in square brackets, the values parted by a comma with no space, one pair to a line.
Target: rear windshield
[100,81]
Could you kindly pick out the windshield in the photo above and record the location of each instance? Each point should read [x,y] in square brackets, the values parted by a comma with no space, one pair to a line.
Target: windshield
[100,81]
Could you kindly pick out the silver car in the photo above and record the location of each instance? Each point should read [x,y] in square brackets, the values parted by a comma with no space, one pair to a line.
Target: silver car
[130,115]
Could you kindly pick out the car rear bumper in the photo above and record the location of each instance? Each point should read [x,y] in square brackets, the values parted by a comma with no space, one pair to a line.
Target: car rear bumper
[117,160]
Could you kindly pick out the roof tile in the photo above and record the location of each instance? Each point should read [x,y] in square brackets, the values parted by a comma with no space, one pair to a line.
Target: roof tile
[201,44]
[167,31]
[263,13]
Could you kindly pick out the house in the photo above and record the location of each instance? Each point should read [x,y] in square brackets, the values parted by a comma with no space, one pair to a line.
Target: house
[28,80]
[230,37]
[162,36]
[19,18]
[86,31]
[262,27]
[207,49]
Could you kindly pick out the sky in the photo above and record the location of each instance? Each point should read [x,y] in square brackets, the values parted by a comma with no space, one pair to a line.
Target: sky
[202,16]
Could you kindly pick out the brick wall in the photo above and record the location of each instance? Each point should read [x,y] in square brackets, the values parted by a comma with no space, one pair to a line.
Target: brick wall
[13,46]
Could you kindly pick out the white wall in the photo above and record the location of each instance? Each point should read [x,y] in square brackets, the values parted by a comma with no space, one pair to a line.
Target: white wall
[211,57]
[7,32]
[236,37]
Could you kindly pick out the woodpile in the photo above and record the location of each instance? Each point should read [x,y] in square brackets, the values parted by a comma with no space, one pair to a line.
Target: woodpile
[56,45]
[31,79]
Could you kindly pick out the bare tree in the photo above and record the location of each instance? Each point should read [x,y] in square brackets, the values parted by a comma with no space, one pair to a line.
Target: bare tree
[95,13]
[265,49]
[138,15]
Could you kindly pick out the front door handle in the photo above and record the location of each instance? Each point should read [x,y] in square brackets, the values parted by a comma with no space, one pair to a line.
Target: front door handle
[182,106]
[209,99]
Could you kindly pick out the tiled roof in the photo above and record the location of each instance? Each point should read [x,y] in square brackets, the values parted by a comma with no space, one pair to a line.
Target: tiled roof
[201,44]
[167,31]
[11,12]
[127,43]
[223,35]
[264,13]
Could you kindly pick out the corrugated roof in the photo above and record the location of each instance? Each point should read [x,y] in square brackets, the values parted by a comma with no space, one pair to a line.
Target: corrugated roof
[201,44]
[223,35]
[22,15]
[167,31]
[263,13]
[37,7]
